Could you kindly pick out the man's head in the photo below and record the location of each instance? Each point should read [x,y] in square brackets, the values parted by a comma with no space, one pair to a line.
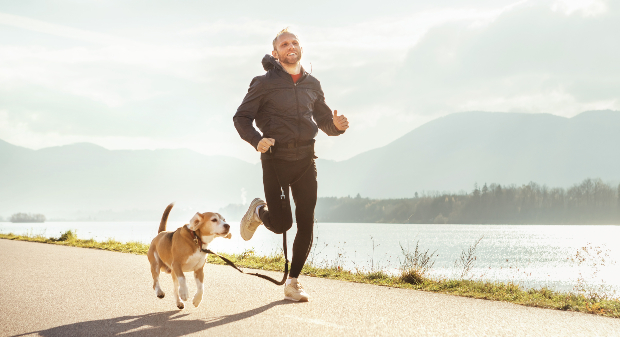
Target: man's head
[286,47]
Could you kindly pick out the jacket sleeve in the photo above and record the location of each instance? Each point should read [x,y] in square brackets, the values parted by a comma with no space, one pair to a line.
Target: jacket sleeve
[246,113]
[324,117]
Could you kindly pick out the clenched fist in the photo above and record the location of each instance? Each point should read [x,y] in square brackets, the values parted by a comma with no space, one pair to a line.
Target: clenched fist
[264,144]
[340,122]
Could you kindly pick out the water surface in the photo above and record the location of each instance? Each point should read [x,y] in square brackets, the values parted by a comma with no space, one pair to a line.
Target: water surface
[531,255]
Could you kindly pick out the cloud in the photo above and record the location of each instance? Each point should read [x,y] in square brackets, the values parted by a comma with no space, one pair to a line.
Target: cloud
[174,76]
[585,7]
[528,59]
[61,30]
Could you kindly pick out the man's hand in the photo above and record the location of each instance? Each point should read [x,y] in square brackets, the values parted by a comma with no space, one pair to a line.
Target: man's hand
[264,144]
[340,122]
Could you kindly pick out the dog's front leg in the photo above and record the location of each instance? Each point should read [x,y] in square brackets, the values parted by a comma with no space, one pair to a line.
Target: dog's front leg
[199,275]
[180,286]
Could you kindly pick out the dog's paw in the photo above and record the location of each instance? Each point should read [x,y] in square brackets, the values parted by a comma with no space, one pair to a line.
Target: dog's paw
[160,293]
[183,294]
[180,305]
[197,300]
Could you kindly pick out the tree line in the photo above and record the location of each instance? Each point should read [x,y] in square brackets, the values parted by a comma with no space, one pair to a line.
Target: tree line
[24,217]
[589,202]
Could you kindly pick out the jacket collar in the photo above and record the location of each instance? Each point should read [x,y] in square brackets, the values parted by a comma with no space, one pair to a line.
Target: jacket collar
[270,63]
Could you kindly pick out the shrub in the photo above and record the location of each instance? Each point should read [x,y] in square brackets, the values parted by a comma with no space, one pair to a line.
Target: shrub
[411,276]
[416,264]
[67,236]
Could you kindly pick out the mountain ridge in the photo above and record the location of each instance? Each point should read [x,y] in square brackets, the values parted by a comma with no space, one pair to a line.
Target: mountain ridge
[451,153]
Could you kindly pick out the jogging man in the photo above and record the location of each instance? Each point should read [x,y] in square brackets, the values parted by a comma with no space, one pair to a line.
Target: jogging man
[289,107]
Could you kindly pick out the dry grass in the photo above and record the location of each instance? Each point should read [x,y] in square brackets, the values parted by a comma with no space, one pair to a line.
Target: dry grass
[410,278]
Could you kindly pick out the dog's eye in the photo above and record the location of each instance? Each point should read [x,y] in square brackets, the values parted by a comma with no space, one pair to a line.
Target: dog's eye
[214,220]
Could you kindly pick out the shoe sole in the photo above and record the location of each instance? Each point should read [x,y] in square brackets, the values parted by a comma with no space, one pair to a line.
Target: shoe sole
[294,300]
[249,214]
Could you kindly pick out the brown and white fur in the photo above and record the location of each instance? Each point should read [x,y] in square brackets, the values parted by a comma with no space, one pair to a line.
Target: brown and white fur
[177,252]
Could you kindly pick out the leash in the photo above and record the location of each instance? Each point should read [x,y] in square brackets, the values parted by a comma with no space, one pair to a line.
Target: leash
[198,241]
[285,199]
[284,196]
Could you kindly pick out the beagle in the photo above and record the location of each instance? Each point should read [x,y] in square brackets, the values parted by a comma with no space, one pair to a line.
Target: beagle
[184,250]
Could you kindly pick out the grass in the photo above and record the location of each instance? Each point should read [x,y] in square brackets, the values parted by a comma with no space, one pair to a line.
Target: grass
[412,276]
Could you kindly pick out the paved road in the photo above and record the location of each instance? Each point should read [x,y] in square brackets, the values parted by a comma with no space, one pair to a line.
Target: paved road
[50,290]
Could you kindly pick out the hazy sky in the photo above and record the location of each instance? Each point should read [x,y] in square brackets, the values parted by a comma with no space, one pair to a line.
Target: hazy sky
[170,74]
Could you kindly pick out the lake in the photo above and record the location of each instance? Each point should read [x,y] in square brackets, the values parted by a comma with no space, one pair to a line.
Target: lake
[531,255]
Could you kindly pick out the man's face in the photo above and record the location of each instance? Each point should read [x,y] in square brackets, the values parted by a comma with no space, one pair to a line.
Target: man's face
[288,50]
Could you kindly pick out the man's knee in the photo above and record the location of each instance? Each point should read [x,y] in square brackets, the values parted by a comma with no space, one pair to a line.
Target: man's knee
[279,224]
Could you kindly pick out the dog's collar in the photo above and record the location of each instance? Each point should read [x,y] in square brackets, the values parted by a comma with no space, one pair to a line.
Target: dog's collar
[198,241]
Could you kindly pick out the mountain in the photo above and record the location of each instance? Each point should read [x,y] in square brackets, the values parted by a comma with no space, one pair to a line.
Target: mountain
[448,154]
[455,152]
[59,181]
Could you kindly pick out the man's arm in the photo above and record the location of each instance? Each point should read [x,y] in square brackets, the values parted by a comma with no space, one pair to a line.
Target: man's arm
[247,112]
[324,118]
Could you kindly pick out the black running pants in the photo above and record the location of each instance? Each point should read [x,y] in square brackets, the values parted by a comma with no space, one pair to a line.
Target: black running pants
[301,176]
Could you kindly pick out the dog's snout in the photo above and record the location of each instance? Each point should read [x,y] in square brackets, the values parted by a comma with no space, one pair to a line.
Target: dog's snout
[226,226]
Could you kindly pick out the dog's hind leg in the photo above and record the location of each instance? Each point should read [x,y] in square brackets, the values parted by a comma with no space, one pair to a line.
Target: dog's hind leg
[199,275]
[155,269]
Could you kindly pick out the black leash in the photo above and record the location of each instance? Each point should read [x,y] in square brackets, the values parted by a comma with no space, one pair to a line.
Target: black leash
[198,241]
[285,199]
[230,263]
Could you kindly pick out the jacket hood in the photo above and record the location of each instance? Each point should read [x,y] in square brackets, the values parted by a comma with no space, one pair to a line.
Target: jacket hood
[270,62]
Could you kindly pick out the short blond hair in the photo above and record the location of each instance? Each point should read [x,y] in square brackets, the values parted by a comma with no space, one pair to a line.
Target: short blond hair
[283,31]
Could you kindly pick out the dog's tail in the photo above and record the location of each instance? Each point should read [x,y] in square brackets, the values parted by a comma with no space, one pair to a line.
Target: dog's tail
[164,218]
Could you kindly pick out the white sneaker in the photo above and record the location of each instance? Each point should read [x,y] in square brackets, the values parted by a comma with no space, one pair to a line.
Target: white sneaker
[251,220]
[295,292]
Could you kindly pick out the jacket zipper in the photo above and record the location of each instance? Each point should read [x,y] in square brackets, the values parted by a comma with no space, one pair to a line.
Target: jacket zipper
[297,107]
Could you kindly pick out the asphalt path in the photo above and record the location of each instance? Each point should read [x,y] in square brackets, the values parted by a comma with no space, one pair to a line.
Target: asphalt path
[50,290]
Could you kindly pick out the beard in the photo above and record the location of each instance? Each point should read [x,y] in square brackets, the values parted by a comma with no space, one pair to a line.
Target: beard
[289,59]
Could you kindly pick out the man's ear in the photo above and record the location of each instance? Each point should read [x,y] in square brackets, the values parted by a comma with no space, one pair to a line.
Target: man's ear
[195,221]
[274,54]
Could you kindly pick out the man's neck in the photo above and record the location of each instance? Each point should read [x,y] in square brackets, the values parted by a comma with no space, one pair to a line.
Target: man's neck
[292,69]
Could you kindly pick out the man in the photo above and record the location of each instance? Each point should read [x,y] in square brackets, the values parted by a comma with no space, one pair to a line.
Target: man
[289,107]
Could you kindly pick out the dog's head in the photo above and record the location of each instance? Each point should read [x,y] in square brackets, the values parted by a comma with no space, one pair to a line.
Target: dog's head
[209,225]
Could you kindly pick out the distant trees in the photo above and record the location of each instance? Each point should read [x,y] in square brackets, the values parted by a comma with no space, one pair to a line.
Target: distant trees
[618,194]
[589,202]
[23,217]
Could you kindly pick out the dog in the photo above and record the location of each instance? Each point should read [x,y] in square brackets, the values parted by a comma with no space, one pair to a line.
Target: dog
[183,251]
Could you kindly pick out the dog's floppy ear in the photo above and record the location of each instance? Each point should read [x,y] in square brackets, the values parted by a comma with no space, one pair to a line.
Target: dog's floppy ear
[195,221]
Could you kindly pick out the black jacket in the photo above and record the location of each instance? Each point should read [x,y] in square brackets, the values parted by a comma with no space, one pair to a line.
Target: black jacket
[284,111]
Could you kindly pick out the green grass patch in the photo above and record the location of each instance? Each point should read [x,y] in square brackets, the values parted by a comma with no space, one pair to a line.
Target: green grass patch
[69,238]
[410,278]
